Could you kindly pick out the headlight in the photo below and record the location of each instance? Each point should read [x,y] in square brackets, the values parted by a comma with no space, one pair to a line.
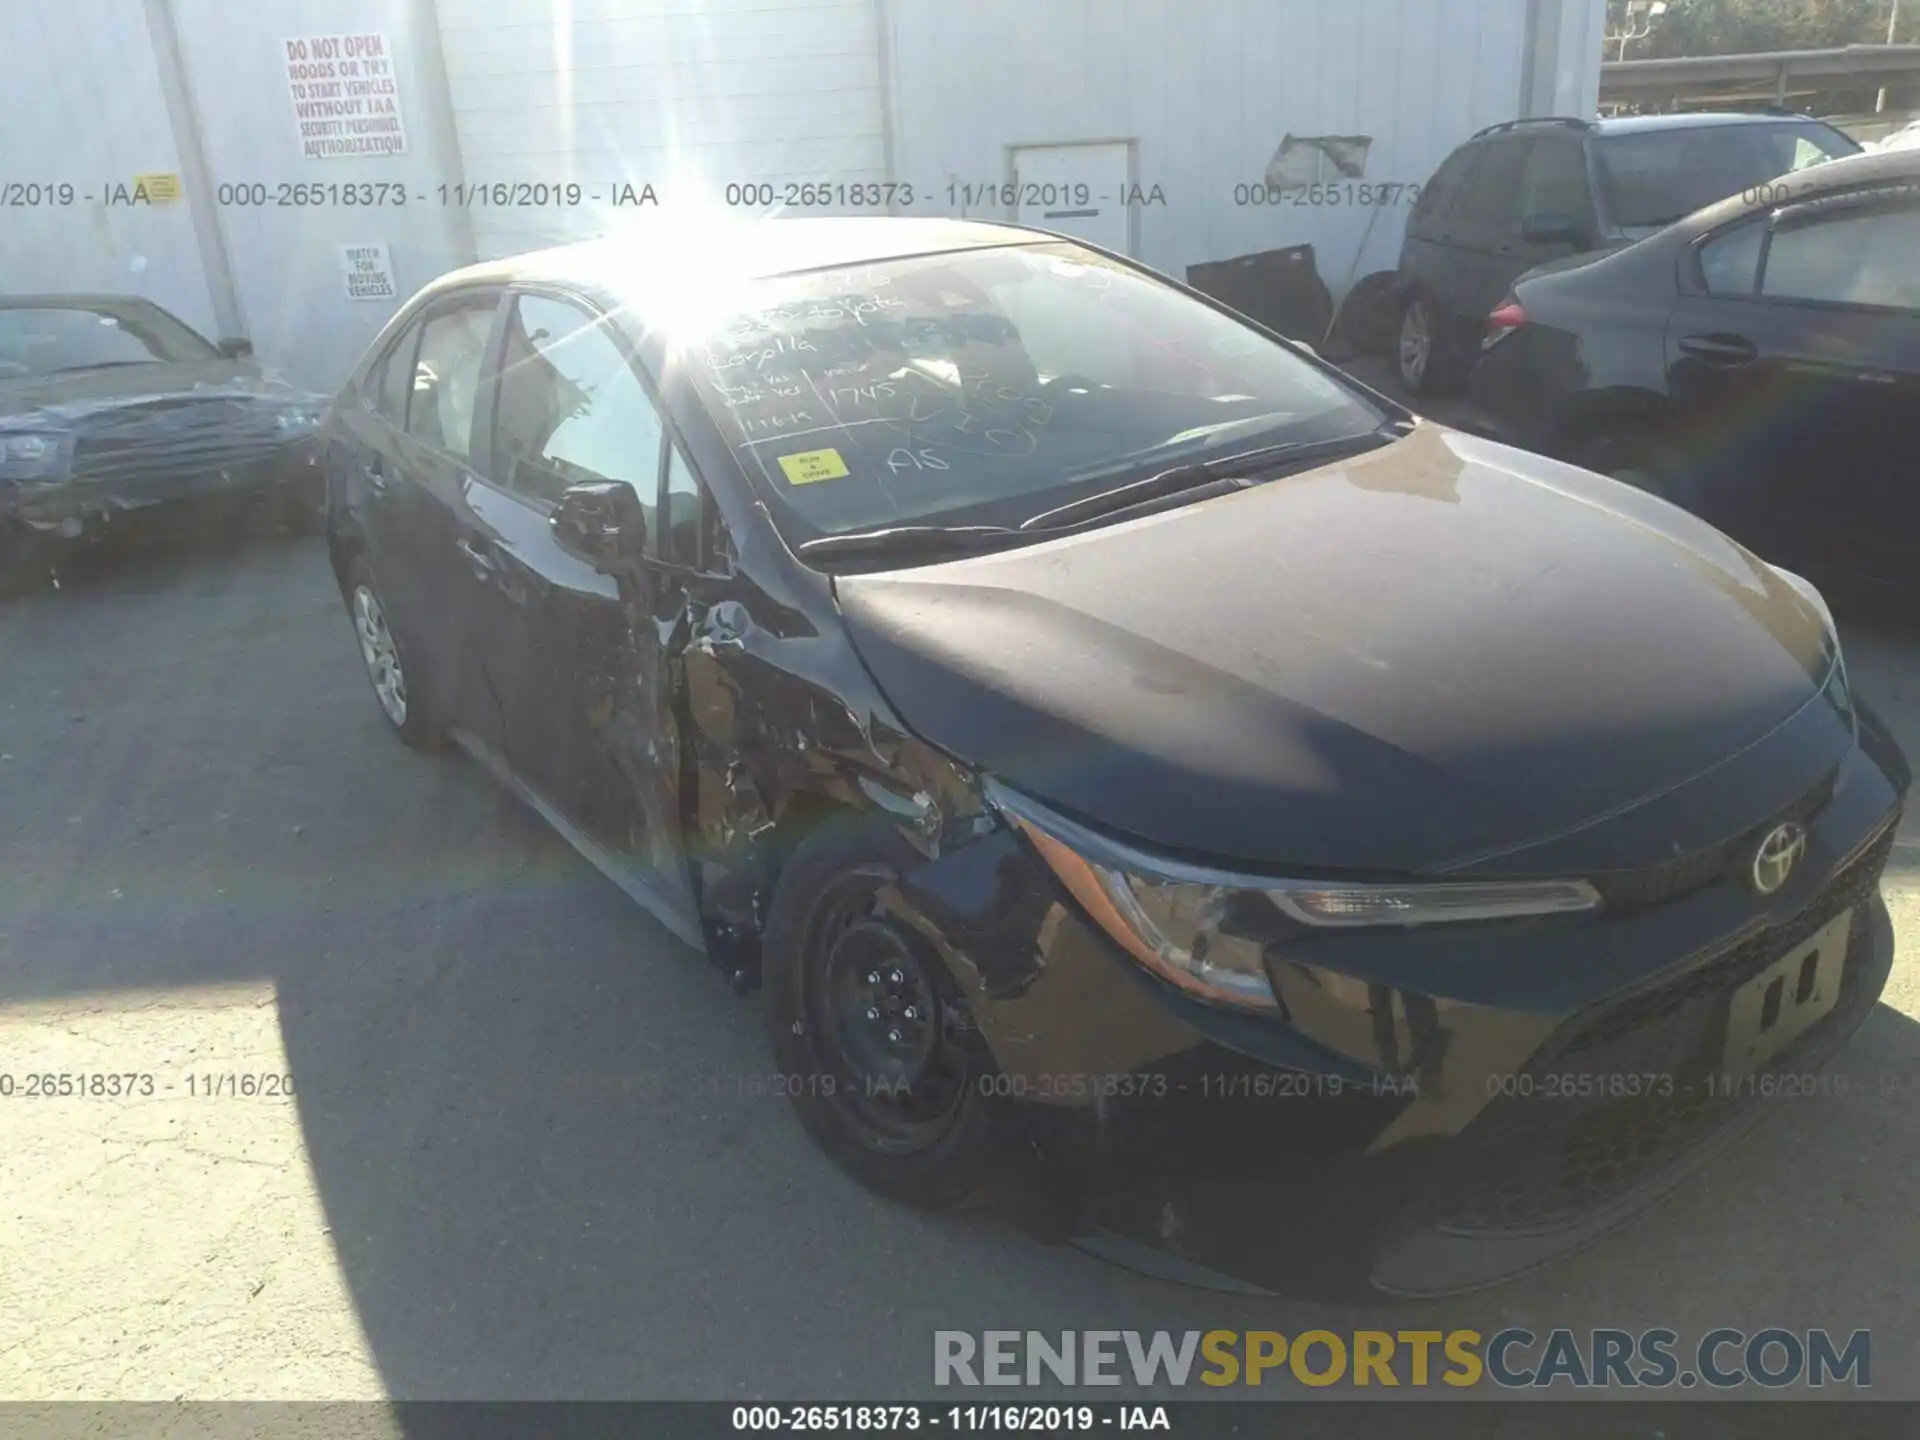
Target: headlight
[27,447]
[1206,931]
[26,455]
[297,420]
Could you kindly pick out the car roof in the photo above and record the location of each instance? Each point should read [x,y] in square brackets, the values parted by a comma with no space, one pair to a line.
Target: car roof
[659,256]
[1693,120]
[1850,172]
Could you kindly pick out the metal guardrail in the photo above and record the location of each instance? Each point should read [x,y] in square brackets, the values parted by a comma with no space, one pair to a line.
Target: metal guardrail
[1637,79]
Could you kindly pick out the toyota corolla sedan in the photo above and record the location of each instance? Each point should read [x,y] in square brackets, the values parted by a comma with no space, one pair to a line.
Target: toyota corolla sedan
[1145,769]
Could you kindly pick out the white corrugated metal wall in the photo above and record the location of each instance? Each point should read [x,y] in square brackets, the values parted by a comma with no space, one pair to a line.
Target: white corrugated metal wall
[284,259]
[1207,91]
[688,95]
[87,110]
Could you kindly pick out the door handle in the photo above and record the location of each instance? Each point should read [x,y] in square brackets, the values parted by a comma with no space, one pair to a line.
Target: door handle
[1721,350]
[483,564]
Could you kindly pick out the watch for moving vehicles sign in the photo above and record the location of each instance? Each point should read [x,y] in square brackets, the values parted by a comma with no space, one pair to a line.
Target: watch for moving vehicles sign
[346,96]
[367,271]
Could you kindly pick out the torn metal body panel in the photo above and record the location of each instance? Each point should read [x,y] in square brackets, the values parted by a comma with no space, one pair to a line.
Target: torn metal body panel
[109,405]
[1320,848]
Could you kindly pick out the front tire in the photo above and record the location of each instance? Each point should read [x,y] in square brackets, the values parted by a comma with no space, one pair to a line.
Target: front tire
[398,681]
[882,1058]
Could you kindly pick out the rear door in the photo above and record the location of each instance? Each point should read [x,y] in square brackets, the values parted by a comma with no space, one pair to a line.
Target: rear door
[1485,234]
[1429,248]
[1797,347]
[366,469]
[417,487]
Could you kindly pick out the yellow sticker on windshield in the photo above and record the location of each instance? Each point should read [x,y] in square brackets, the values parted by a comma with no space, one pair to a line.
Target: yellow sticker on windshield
[811,466]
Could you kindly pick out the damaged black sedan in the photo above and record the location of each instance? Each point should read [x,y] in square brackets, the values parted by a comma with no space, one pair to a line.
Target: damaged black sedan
[1299,842]
[109,405]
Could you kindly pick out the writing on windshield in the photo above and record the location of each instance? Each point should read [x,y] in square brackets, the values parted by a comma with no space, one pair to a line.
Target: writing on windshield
[984,379]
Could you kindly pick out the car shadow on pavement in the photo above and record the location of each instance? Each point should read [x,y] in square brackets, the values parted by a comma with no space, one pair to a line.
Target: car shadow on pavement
[541,1135]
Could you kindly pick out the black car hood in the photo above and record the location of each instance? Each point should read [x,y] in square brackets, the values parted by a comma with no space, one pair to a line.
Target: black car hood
[1443,649]
[65,399]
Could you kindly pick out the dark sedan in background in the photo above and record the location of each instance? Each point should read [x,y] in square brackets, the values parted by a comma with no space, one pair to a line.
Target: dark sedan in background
[1757,363]
[1309,843]
[1530,192]
[109,404]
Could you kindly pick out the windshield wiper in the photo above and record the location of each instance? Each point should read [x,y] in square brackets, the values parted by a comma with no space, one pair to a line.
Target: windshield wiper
[912,540]
[1231,468]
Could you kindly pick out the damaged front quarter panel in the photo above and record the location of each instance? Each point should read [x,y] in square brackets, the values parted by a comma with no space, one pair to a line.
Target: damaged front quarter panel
[787,731]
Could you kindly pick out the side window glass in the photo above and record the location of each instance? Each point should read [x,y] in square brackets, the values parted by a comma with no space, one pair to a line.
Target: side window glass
[1491,197]
[1730,263]
[677,538]
[1555,181]
[720,555]
[571,409]
[446,376]
[392,382]
[1857,257]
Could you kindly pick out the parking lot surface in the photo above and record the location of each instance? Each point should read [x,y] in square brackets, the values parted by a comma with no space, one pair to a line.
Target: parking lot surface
[519,1158]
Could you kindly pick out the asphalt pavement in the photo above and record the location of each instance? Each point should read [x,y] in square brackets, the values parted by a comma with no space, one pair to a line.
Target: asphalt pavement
[525,1154]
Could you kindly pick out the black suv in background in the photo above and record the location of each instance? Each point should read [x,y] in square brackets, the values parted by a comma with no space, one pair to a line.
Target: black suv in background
[1530,192]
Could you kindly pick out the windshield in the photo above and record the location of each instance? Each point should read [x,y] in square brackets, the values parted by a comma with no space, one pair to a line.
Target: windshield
[49,340]
[988,385]
[1659,176]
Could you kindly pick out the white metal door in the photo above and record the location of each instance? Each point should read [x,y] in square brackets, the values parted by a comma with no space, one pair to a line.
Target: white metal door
[1077,189]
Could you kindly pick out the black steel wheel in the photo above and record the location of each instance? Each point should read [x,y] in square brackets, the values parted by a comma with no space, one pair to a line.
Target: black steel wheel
[883,1060]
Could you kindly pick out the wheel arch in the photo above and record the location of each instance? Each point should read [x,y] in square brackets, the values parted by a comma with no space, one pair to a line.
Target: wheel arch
[1603,412]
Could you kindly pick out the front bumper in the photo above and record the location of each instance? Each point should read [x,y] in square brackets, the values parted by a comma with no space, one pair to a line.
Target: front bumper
[1394,1128]
[73,502]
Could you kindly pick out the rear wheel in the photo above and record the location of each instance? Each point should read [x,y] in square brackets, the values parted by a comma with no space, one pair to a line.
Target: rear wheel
[1638,457]
[397,682]
[882,1059]
[1426,360]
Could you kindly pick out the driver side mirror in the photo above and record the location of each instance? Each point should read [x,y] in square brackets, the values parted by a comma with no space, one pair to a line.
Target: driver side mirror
[601,522]
[236,347]
[1553,227]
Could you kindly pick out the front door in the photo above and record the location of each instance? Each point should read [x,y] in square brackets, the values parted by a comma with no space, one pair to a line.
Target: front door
[1800,355]
[571,652]
[1078,190]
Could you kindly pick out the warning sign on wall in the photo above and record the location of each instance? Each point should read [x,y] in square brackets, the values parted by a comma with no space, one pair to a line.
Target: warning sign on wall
[368,271]
[346,96]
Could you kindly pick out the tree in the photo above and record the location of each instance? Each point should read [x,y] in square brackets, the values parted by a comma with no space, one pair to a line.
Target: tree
[1739,27]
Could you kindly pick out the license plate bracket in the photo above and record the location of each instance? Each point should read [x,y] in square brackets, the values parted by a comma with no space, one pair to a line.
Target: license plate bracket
[1785,1000]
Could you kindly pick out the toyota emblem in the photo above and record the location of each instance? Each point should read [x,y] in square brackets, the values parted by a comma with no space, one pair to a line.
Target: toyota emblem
[1773,862]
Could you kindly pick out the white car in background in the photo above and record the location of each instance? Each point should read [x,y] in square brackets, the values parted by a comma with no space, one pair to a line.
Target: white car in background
[1905,138]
